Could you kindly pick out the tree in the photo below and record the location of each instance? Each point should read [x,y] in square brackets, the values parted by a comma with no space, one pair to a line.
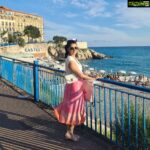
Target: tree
[59,40]
[3,33]
[4,36]
[21,42]
[49,41]
[11,39]
[32,32]
[17,34]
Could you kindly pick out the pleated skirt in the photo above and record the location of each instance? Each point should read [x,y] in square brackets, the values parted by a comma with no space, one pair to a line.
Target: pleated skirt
[71,111]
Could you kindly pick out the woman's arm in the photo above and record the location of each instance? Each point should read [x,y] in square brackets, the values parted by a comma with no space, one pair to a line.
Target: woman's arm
[74,68]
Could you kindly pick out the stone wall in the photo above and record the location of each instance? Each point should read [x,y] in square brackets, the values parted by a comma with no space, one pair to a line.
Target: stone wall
[81,45]
[37,49]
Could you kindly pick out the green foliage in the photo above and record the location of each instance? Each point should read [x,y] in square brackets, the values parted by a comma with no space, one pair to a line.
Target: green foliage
[17,34]
[3,33]
[16,37]
[3,36]
[59,39]
[11,38]
[50,41]
[32,31]
[21,42]
[133,128]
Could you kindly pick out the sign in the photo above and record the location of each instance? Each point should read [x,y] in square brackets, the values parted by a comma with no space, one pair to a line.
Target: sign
[138,3]
[32,49]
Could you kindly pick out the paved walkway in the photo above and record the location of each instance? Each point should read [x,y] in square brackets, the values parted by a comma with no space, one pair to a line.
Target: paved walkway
[25,126]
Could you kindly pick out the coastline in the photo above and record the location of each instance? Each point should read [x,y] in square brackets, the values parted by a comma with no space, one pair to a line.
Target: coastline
[129,58]
[133,79]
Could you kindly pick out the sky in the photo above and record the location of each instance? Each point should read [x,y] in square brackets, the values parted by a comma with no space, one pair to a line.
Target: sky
[99,22]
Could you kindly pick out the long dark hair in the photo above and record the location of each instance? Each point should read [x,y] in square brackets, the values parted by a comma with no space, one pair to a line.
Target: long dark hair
[68,45]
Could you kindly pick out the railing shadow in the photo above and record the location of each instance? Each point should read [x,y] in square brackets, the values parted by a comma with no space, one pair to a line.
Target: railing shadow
[12,124]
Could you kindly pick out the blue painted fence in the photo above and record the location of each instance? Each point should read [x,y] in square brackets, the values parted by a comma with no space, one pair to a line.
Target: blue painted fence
[120,112]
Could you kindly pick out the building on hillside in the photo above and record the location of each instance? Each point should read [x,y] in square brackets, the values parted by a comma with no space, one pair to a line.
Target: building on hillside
[15,21]
[81,44]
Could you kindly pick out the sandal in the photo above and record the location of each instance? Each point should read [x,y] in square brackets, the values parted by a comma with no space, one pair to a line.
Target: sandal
[73,137]
[77,136]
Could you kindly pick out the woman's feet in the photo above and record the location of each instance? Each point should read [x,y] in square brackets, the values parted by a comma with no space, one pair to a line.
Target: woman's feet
[72,137]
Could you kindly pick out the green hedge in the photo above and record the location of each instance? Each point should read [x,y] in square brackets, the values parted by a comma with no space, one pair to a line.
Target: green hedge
[133,128]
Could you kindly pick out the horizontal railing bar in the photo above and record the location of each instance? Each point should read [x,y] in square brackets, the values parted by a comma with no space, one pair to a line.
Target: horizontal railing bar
[127,85]
[51,73]
[49,82]
[14,59]
[148,98]
[49,68]
[135,87]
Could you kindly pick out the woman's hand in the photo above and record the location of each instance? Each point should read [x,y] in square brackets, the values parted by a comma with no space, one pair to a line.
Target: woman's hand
[97,77]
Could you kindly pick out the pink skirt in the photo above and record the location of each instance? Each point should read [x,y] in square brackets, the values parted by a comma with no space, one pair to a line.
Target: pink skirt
[71,110]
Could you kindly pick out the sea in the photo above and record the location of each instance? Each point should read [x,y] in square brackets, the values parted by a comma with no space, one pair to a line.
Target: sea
[134,58]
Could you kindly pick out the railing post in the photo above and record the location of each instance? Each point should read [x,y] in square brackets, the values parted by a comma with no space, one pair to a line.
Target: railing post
[13,71]
[36,81]
[0,66]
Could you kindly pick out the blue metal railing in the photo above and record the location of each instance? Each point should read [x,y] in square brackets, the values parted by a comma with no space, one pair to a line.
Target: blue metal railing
[120,112]
[7,44]
[18,73]
[13,44]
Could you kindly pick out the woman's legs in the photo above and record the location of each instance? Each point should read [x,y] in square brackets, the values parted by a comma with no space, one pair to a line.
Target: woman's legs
[70,129]
[70,133]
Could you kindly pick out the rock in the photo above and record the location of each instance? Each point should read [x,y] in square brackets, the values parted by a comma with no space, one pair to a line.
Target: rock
[83,54]
[97,55]
[52,51]
[61,53]
[88,54]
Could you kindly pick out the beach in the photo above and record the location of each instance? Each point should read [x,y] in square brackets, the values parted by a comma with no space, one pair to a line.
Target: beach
[130,77]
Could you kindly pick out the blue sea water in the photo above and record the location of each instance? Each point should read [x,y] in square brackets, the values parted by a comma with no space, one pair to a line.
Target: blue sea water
[124,58]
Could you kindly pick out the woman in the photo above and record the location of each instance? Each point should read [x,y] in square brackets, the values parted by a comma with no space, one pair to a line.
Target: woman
[71,111]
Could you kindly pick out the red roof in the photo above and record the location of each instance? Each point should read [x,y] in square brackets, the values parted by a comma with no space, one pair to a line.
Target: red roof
[8,9]
[5,8]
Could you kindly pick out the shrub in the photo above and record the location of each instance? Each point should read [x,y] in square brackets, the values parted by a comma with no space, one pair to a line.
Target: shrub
[21,42]
[133,128]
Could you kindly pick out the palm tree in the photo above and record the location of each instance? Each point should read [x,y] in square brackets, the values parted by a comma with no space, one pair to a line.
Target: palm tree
[17,35]
[4,36]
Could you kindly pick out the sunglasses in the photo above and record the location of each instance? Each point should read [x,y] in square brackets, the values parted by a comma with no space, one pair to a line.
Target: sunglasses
[74,48]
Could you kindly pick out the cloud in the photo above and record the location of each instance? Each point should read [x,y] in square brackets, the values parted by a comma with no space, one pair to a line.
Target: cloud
[100,35]
[95,35]
[58,1]
[53,28]
[109,36]
[57,26]
[132,17]
[93,8]
[79,3]
[71,15]
[102,30]
[128,25]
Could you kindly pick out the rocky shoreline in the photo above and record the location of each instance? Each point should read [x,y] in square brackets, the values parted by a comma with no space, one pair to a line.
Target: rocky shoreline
[135,79]
[56,59]
[83,54]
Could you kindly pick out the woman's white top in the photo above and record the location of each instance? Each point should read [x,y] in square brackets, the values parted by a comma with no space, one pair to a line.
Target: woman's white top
[68,59]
